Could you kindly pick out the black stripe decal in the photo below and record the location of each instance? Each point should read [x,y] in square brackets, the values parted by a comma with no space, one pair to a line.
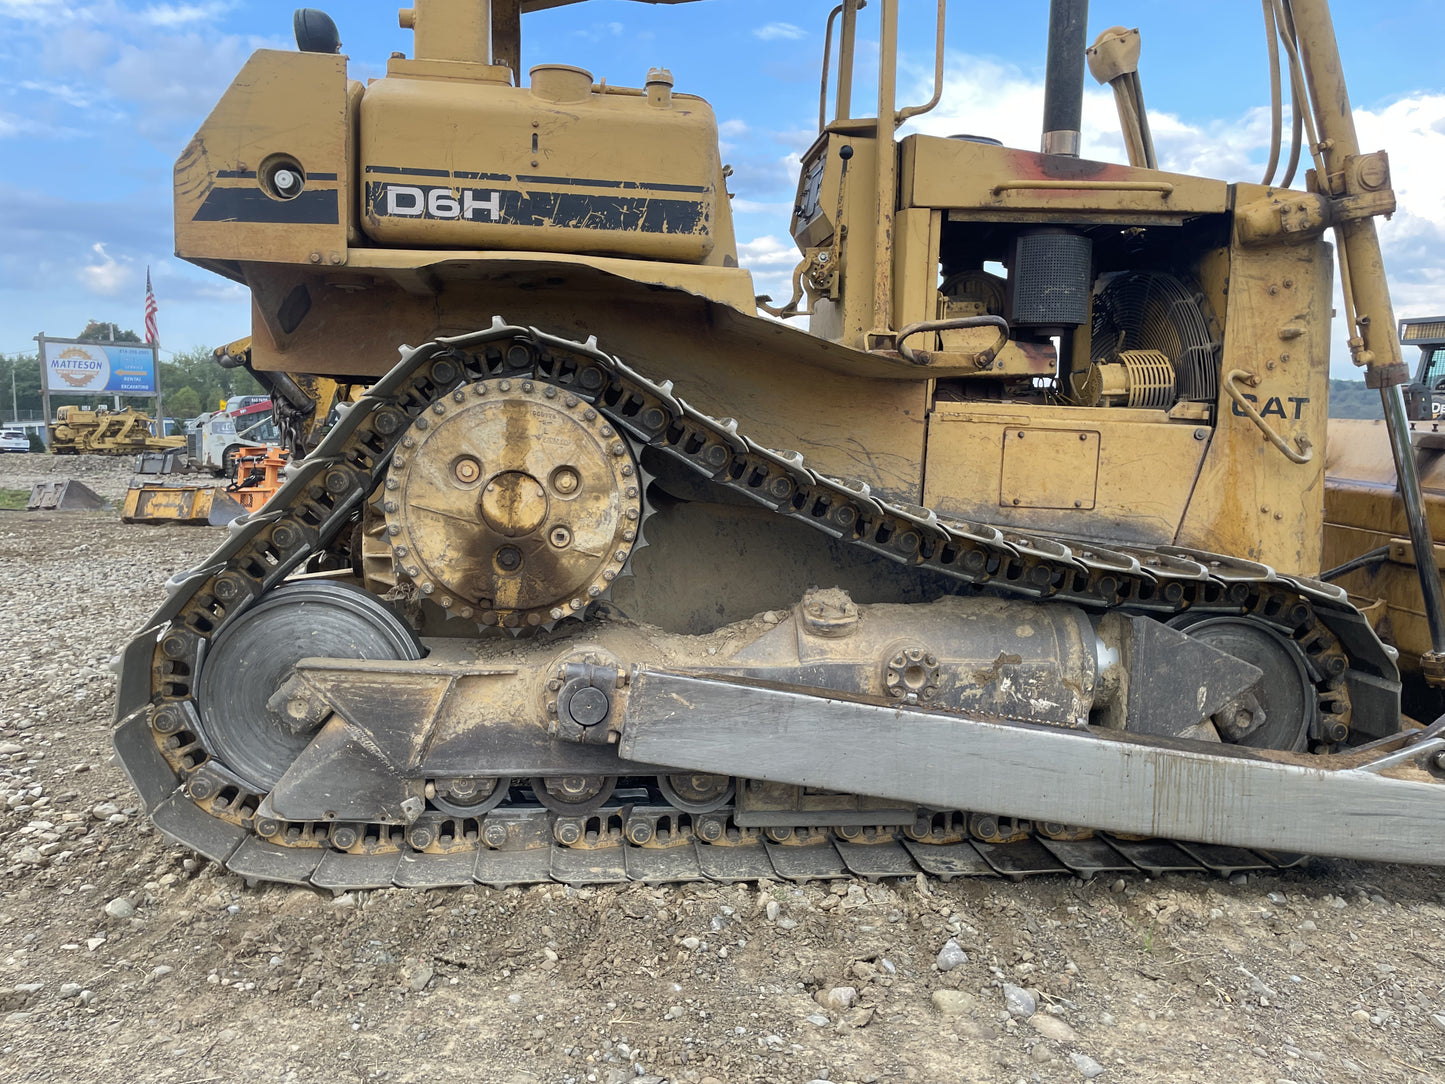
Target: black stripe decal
[586,182]
[529,178]
[564,210]
[250,175]
[316,207]
[408,172]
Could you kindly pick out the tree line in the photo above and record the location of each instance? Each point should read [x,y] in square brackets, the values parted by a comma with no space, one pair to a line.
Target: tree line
[191,381]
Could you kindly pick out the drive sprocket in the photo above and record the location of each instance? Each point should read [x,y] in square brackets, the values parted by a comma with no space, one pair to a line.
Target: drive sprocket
[512,503]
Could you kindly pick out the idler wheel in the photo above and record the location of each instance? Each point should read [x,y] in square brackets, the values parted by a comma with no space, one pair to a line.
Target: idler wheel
[574,795]
[694,792]
[1285,693]
[470,797]
[252,657]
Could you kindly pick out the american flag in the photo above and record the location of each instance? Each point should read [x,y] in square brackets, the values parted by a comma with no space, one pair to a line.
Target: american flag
[152,335]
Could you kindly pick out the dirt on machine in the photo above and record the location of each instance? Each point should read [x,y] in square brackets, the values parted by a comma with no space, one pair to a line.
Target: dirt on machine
[994,549]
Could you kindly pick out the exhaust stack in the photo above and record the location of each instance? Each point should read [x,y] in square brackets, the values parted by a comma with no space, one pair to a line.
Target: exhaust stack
[1064,80]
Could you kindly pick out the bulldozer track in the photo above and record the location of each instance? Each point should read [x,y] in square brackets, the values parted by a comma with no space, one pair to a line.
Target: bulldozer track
[199,802]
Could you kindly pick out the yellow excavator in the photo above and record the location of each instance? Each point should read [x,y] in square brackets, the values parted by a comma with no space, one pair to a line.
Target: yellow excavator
[995,549]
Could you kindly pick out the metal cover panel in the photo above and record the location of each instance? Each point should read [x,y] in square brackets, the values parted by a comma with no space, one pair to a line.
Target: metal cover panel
[257,860]
[746,862]
[810,862]
[502,868]
[596,866]
[180,819]
[875,860]
[1049,468]
[142,762]
[663,865]
[1087,857]
[949,860]
[1026,858]
[341,872]
[1223,860]
[421,870]
[1154,856]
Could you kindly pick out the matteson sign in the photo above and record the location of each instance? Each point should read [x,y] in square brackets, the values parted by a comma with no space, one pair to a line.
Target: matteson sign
[111,368]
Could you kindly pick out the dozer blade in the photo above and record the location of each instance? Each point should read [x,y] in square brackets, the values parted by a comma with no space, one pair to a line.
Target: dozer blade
[204,506]
[66,496]
[1376,802]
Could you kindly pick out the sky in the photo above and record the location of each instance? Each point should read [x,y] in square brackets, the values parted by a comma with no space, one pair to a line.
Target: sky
[98,97]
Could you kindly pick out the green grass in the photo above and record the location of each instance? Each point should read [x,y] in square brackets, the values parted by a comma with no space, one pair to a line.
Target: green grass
[14,498]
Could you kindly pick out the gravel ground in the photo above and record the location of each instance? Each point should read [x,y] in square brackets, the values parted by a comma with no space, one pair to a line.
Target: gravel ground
[123,957]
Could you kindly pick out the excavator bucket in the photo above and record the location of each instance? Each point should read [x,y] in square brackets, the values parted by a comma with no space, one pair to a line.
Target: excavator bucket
[204,506]
[64,496]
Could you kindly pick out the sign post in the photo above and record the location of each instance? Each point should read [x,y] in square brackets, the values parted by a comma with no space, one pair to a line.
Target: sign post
[81,367]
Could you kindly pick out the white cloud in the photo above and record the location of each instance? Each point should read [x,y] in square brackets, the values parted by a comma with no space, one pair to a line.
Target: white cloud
[182,14]
[107,276]
[37,11]
[780,32]
[754,207]
[768,254]
[69,95]
[599,31]
[13,125]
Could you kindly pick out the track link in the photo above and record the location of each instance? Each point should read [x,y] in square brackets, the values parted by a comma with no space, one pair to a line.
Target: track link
[198,801]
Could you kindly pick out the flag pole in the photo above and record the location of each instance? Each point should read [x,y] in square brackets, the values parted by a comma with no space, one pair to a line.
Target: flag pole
[153,338]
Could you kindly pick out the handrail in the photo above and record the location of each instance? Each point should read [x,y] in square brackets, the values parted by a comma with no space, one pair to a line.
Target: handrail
[956,324]
[1274,438]
[916,110]
[827,60]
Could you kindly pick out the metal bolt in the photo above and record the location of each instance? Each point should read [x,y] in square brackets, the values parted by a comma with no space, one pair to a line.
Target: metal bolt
[566,480]
[639,832]
[567,832]
[343,838]
[421,836]
[560,537]
[509,558]
[467,471]
[166,720]
[202,787]
[494,835]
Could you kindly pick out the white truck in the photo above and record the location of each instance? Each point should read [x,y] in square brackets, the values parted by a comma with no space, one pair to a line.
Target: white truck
[213,443]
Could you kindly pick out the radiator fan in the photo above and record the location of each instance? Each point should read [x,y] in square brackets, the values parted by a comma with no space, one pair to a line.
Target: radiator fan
[1139,318]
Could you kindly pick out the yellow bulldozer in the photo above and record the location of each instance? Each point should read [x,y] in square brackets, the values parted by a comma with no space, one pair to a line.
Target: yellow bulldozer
[81,431]
[995,549]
